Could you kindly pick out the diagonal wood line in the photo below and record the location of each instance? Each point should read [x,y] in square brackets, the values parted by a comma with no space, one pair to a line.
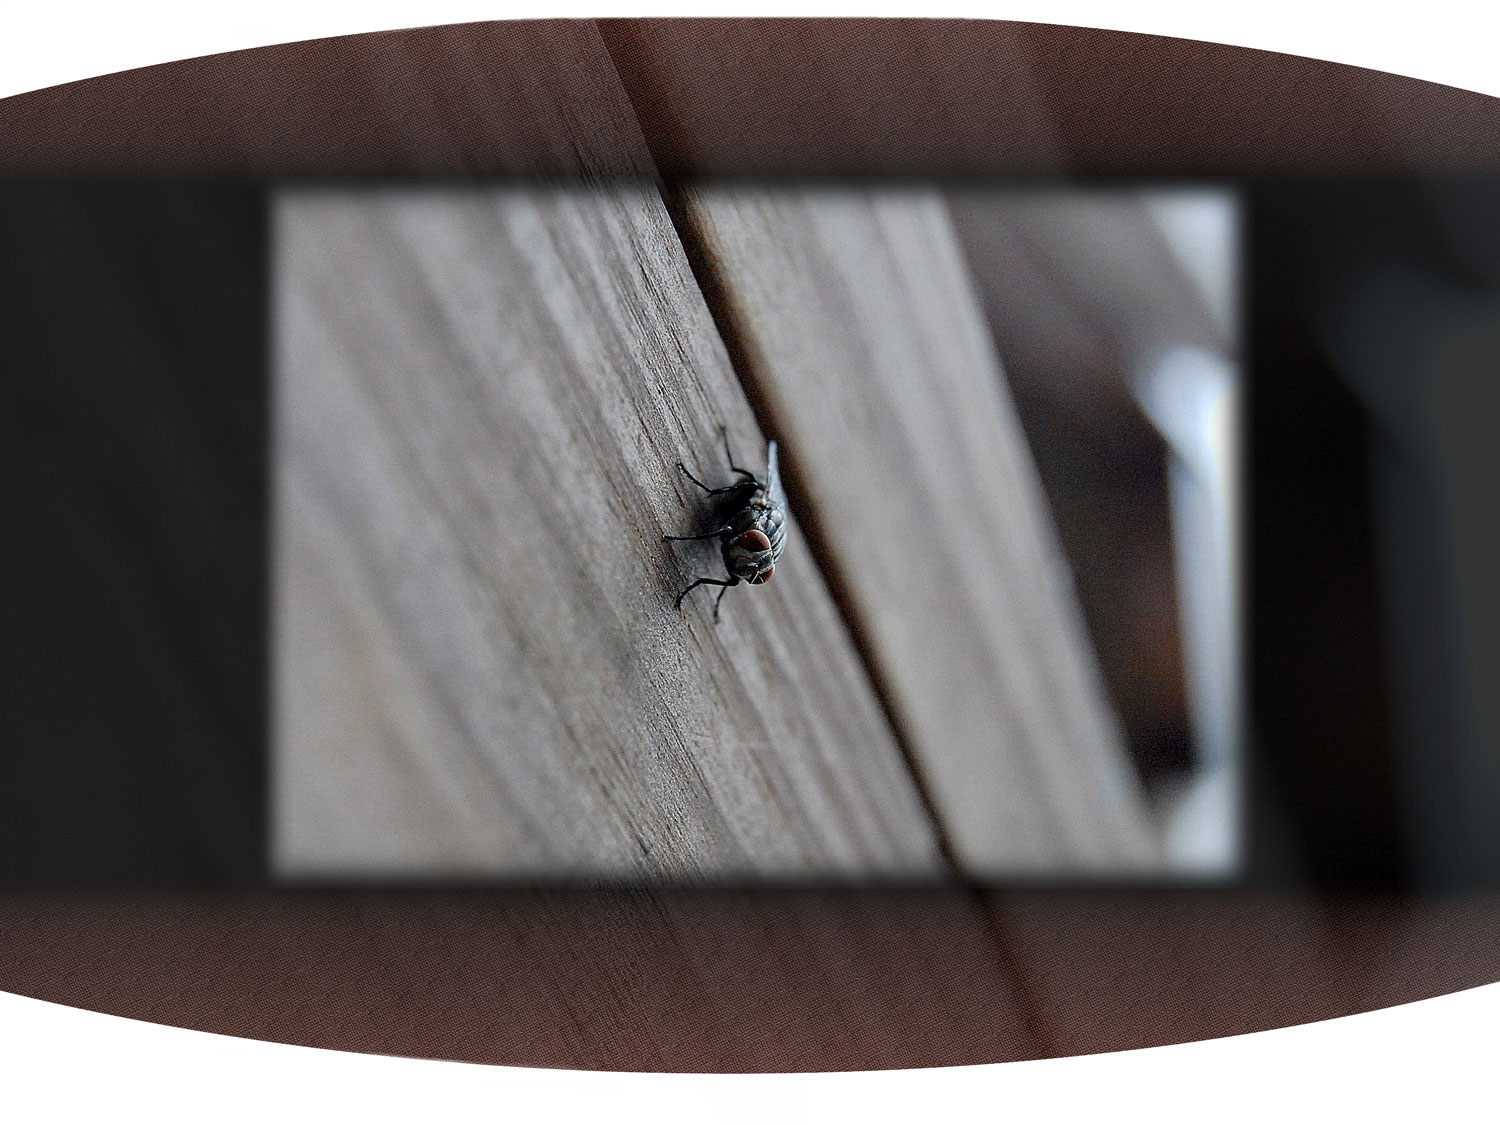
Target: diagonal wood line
[742,361]
[1007,956]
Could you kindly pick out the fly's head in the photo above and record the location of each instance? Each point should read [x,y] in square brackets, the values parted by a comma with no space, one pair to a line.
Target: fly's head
[748,557]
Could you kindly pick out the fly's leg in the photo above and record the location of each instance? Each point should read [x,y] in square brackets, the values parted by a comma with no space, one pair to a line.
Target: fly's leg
[690,538]
[720,599]
[687,473]
[746,473]
[725,582]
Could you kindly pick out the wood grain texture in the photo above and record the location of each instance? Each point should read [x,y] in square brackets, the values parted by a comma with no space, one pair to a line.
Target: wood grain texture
[766,980]
[715,96]
[1118,971]
[866,347]
[747,981]
[481,395]
[518,97]
[773,96]
[986,97]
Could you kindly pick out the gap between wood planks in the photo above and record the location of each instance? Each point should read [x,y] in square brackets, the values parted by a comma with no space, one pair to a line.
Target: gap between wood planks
[1010,733]
[814,535]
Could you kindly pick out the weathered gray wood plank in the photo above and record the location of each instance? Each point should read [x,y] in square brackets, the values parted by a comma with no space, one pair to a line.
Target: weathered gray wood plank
[481,394]
[864,342]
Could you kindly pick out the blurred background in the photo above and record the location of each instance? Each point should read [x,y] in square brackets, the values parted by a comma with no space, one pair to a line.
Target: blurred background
[1375,394]
[1117,314]
[132,447]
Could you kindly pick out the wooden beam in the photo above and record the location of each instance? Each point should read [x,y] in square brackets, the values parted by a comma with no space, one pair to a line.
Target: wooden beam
[518,97]
[658,980]
[481,395]
[1111,971]
[849,97]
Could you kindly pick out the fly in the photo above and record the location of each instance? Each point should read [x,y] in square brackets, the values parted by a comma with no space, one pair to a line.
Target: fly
[749,523]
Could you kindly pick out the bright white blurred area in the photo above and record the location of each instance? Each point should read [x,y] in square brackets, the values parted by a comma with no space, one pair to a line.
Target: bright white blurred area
[1194,397]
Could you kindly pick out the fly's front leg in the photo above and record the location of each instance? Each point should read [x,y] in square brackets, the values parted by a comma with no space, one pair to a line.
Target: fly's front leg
[719,600]
[690,538]
[711,491]
[726,583]
[687,473]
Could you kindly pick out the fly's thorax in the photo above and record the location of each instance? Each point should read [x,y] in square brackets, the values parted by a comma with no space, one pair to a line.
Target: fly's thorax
[732,506]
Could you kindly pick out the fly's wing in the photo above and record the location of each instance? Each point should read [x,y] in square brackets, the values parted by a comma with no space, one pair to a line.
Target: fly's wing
[776,495]
[774,492]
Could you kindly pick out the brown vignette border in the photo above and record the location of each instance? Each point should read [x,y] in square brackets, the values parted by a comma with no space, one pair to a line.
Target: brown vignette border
[743,981]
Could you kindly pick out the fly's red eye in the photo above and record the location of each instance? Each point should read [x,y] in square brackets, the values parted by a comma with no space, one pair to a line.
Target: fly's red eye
[754,540]
[764,576]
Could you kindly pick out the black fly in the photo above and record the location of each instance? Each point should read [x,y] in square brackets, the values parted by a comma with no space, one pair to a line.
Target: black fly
[749,523]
